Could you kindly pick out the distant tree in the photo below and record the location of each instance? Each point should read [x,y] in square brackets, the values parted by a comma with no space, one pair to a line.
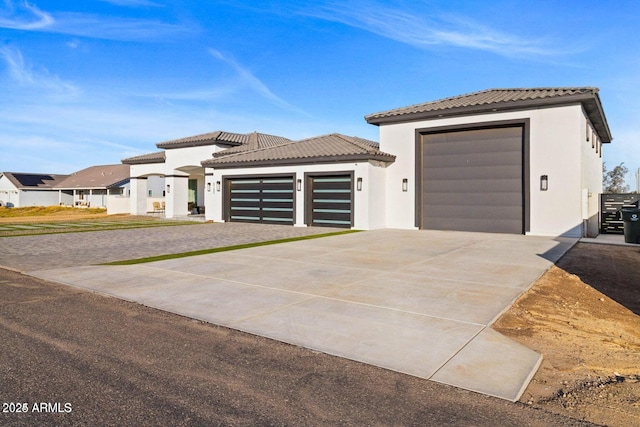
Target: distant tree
[613,180]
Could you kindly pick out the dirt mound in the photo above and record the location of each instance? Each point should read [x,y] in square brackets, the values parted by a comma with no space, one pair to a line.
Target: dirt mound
[583,317]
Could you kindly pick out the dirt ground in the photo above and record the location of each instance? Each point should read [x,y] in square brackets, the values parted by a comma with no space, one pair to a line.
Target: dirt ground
[583,316]
[65,216]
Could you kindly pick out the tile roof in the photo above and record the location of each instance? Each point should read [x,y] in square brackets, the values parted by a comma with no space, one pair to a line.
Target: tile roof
[221,137]
[33,180]
[321,149]
[254,141]
[157,157]
[493,100]
[94,177]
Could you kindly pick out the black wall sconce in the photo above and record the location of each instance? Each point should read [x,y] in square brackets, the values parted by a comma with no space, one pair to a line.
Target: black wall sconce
[359,184]
[209,187]
[544,183]
[168,188]
[218,186]
[405,184]
[299,185]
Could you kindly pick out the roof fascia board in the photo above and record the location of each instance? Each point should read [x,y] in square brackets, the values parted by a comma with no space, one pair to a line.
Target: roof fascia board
[588,100]
[186,144]
[143,162]
[296,162]
[484,108]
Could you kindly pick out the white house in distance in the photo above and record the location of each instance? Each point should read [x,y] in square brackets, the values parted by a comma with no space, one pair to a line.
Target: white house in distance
[96,186]
[29,189]
[523,161]
[103,186]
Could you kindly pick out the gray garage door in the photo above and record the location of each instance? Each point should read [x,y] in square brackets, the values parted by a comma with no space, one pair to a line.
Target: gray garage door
[261,199]
[472,180]
[331,201]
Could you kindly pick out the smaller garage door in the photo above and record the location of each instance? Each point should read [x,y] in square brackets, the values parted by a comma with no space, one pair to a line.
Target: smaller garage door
[331,201]
[261,200]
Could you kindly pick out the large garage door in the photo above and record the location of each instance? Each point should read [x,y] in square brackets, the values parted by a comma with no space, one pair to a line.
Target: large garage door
[472,180]
[331,201]
[261,199]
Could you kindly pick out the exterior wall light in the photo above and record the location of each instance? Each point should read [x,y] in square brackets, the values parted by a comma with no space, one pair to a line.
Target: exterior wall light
[405,185]
[299,185]
[544,183]
[218,186]
[209,187]
[359,184]
[168,188]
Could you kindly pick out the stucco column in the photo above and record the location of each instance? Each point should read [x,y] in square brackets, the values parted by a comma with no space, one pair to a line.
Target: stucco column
[138,196]
[300,190]
[209,195]
[176,195]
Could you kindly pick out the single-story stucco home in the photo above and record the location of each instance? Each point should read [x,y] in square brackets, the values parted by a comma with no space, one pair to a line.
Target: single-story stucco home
[18,189]
[522,161]
[105,186]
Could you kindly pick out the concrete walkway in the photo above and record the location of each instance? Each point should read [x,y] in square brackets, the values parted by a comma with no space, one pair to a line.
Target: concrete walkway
[417,302]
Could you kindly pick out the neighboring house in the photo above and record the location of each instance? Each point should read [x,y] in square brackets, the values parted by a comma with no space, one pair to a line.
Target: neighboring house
[97,186]
[524,161]
[29,189]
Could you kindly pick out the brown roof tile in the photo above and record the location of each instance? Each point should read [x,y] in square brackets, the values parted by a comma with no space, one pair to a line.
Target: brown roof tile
[326,148]
[157,157]
[254,141]
[220,137]
[104,176]
[500,100]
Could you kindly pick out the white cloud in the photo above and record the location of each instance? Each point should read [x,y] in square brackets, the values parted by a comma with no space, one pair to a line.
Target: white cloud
[424,28]
[25,16]
[26,77]
[254,83]
[22,15]
[112,28]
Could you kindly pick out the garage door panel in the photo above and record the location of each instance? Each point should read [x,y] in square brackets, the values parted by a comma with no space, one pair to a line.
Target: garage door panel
[445,150]
[262,199]
[493,213]
[331,200]
[343,205]
[474,186]
[489,134]
[476,159]
[473,199]
[344,217]
[472,180]
[477,225]
[471,172]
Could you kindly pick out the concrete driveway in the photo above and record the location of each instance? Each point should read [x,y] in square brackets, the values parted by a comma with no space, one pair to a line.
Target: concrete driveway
[418,302]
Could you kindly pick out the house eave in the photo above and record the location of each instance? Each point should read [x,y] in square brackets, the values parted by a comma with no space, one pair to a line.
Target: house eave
[298,161]
[591,104]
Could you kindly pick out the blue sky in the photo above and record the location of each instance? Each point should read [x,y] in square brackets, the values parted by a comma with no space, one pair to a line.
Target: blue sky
[94,81]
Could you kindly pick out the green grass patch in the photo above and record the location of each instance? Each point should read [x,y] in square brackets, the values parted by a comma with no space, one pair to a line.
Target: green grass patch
[225,248]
